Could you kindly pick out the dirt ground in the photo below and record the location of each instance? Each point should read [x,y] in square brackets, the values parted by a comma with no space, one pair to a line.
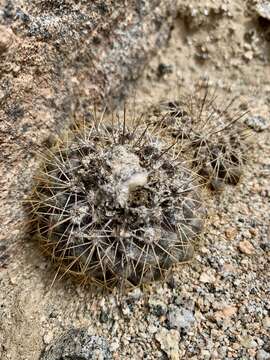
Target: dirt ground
[217,306]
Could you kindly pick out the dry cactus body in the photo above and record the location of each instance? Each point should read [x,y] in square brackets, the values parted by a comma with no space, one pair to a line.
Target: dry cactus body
[220,160]
[214,136]
[112,205]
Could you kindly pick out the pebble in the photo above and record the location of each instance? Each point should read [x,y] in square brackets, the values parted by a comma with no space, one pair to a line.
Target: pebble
[263,10]
[114,345]
[152,329]
[5,38]
[180,318]
[257,123]
[48,337]
[228,269]
[164,69]
[262,355]
[246,247]
[266,322]
[157,306]
[252,353]
[248,342]
[207,278]
[169,342]
[229,311]
[231,233]
[248,55]
[2,94]
[253,231]
[136,294]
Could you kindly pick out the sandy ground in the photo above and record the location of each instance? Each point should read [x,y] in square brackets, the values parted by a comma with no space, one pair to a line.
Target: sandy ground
[216,307]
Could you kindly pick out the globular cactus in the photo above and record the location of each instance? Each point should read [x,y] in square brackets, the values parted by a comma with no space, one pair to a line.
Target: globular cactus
[115,205]
[213,138]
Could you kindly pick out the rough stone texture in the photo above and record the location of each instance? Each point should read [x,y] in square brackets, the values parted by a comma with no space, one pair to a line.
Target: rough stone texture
[76,344]
[57,57]
[263,10]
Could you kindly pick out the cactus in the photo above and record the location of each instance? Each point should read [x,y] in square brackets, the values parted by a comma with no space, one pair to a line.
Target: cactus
[114,205]
[213,137]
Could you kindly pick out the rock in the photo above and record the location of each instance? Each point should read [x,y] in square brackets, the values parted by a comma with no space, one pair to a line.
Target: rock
[262,355]
[77,344]
[164,69]
[252,353]
[231,233]
[180,318]
[248,342]
[257,123]
[169,342]
[248,55]
[48,337]
[207,278]
[227,270]
[266,322]
[135,294]
[6,38]
[225,313]
[4,255]
[115,345]
[229,311]
[217,185]
[263,9]
[152,329]
[157,306]
[246,247]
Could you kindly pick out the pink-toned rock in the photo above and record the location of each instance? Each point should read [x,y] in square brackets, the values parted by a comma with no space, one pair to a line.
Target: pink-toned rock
[228,268]
[231,233]
[246,247]
[6,38]
[207,278]
[226,312]
[229,311]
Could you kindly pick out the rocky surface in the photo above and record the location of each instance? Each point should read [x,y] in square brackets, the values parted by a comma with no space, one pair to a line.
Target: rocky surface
[258,123]
[217,306]
[76,344]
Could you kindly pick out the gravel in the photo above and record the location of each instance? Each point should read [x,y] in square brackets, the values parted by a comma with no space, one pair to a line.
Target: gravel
[76,344]
[180,318]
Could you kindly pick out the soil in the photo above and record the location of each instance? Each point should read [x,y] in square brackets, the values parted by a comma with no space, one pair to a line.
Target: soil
[218,305]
